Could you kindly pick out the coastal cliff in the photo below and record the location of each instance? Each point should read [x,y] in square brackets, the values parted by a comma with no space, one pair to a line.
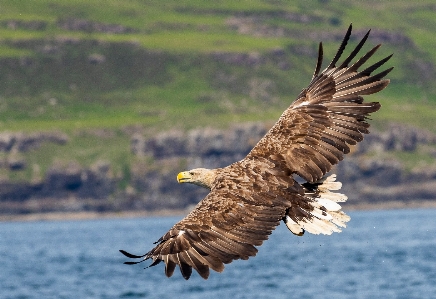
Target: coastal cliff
[373,174]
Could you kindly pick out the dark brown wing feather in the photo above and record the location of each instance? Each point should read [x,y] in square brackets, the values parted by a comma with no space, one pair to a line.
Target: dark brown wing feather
[329,115]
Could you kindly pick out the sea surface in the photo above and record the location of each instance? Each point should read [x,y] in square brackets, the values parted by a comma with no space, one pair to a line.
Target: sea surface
[381,254]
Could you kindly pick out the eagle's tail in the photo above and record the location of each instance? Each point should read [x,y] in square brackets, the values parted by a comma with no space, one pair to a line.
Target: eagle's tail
[322,214]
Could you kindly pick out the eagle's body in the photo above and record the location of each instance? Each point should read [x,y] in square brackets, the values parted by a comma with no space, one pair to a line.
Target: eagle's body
[249,198]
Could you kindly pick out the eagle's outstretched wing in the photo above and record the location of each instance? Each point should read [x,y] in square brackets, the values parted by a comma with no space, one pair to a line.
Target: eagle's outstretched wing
[250,197]
[239,213]
[247,202]
[328,116]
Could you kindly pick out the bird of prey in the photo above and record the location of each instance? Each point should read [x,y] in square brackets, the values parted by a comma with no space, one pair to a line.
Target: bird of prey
[249,198]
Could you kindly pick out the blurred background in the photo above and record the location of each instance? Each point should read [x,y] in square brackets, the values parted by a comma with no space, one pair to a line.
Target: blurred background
[102,103]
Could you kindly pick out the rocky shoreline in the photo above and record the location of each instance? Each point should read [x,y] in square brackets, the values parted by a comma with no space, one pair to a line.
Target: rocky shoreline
[372,176]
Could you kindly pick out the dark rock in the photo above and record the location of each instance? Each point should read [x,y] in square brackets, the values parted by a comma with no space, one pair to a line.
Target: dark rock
[16,162]
[22,142]
[396,138]
[172,143]
[7,140]
[237,140]
[96,182]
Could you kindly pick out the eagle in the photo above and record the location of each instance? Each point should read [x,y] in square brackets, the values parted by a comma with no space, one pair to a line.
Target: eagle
[250,197]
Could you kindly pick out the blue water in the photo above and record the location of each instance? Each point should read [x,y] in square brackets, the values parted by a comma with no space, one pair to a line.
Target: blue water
[381,254]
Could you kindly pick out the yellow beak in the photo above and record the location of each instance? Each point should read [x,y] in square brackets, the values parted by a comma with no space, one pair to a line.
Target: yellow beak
[184,176]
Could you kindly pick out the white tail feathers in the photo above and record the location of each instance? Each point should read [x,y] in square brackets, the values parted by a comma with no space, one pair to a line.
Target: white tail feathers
[326,216]
[328,204]
[335,197]
[293,226]
[330,183]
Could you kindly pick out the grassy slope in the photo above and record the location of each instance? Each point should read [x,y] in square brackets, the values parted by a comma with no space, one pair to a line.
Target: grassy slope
[199,27]
[134,86]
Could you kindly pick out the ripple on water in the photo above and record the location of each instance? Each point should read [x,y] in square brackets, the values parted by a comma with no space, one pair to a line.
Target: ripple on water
[381,254]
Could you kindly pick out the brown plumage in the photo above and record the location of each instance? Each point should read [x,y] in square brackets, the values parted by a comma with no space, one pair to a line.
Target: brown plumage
[249,198]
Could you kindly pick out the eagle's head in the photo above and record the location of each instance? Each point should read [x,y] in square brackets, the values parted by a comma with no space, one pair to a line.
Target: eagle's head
[199,176]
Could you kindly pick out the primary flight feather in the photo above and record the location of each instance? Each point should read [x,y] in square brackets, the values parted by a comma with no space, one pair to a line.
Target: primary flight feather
[249,198]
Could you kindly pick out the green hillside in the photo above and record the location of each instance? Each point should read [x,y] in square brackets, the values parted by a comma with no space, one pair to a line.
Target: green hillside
[83,67]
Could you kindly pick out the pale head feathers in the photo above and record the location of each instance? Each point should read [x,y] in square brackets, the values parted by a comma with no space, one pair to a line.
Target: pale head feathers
[199,176]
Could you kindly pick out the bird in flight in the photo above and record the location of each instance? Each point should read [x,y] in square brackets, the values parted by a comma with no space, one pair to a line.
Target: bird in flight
[249,198]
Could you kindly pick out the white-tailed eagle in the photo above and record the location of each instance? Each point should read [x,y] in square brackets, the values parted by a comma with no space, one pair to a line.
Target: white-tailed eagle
[249,198]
